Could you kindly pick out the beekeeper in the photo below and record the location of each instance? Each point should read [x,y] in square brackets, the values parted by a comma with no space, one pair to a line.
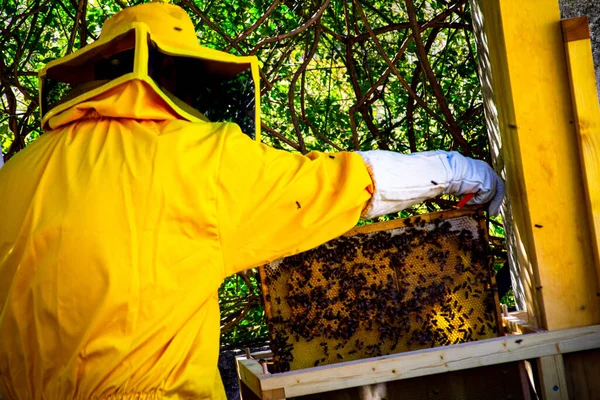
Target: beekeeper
[122,220]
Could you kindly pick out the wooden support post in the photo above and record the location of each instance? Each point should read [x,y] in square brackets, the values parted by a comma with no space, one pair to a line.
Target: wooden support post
[554,381]
[527,380]
[250,373]
[578,47]
[525,80]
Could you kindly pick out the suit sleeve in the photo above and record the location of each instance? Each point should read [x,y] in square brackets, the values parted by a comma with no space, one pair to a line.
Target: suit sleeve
[272,204]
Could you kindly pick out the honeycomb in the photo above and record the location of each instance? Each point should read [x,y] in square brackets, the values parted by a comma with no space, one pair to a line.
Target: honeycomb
[384,288]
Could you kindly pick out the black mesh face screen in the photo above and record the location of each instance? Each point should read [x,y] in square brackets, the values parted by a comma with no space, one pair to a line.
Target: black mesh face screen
[66,81]
[219,98]
[53,93]
[230,100]
[114,66]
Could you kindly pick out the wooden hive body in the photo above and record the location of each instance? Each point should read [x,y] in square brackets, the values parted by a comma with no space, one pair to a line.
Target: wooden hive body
[385,288]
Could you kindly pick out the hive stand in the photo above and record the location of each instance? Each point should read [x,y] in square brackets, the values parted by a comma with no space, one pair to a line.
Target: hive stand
[547,347]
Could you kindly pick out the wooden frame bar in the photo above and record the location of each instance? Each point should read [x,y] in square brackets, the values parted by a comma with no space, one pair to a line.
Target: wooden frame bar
[582,79]
[421,363]
[516,323]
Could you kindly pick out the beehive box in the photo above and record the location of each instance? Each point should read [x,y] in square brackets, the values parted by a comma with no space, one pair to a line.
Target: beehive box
[384,288]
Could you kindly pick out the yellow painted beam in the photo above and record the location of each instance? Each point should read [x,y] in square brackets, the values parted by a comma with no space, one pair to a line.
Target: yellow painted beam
[522,60]
[578,48]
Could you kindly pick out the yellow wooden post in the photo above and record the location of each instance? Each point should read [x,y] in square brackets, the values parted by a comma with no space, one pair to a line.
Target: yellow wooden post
[578,47]
[530,117]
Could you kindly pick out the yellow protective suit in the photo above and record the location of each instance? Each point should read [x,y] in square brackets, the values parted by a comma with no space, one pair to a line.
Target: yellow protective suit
[118,226]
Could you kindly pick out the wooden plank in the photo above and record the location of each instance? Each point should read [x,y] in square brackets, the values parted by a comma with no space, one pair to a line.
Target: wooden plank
[575,29]
[515,323]
[262,355]
[552,376]
[530,118]
[584,97]
[489,73]
[246,393]
[275,394]
[431,361]
[251,372]
[526,380]
[492,382]
[399,223]
[582,369]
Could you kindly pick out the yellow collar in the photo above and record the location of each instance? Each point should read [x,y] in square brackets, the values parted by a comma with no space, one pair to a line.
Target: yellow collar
[132,99]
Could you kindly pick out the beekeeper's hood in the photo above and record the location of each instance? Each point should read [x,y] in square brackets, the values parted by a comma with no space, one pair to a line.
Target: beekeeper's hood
[156,43]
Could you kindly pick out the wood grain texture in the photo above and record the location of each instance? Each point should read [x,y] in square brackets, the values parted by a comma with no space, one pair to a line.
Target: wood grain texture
[492,382]
[246,393]
[428,362]
[250,372]
[521,284]
[527,385]
[575,29]
[583,369]
[553,379]
[516,323]
[584,98]
[275,394]
[399,223]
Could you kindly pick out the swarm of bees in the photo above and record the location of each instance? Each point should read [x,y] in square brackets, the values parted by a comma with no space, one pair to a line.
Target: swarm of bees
[403,285]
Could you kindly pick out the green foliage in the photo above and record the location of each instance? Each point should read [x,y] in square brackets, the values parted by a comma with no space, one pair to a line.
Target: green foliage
[242,315]
[326,83]
[497,226]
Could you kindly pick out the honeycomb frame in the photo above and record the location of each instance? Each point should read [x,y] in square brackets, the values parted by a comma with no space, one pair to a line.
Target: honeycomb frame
[384,288]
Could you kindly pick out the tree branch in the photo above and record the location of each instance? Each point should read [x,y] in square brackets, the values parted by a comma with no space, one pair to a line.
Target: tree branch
[292,89]
[305,119]
[293,32]
[80,9]
[253,27]
[410,106]
[324,29]
[392,65]
[279,136]
[455,129]
[400,53]
[405,25]
[83,26]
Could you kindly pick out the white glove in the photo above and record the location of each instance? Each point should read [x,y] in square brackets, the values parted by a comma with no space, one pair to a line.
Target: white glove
[1,160]
[402,180]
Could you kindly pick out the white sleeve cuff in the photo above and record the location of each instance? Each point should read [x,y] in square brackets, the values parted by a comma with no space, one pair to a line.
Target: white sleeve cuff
[402,180]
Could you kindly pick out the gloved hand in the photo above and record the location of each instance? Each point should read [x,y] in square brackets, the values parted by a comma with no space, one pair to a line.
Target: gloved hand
[402,180]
